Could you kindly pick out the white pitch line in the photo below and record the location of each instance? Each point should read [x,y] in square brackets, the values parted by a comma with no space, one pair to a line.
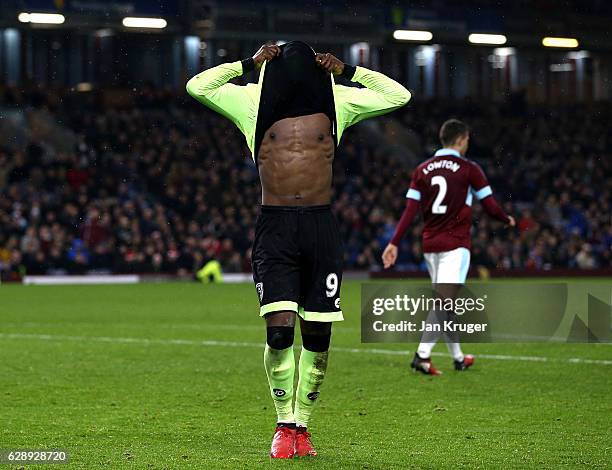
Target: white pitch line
[240,344]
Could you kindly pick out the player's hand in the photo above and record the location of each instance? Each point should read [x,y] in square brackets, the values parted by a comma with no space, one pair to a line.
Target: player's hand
[265,52]
[389,256]
[511,221]
[329,63]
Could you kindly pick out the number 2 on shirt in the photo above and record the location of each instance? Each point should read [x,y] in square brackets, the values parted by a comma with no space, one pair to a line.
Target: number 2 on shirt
[438,207]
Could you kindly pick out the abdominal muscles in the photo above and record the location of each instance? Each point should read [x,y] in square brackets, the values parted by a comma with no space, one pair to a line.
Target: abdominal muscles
[295,161]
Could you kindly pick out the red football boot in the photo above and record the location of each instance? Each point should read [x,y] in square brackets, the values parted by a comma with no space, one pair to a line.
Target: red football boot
[468,361]
[424,365]
[283,442]
[303,445]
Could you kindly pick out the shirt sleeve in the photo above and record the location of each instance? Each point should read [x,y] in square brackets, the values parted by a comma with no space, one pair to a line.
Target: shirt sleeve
[483,192]
[479,183]
[381,95]
[414,191]
[212,90]
[406,219]
[413,201]
[494,210]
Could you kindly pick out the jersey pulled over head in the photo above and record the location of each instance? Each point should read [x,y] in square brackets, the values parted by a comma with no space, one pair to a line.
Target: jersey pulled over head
[293,85]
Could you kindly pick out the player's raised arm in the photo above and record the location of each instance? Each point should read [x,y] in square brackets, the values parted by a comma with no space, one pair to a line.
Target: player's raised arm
[483,192]
[381,94]
[210,87]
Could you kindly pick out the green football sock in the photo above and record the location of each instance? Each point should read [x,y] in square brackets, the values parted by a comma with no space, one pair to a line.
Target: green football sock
[280,368]
[312,371]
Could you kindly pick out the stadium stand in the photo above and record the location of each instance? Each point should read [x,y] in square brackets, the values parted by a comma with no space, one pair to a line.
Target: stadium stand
[164,185]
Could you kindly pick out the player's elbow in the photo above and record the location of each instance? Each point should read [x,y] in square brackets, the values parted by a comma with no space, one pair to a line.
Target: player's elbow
[199,88]
[192,87]
[400,97]
[403,97]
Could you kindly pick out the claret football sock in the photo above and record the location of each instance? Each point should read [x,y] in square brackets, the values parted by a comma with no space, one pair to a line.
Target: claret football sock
[312,369]
[280,368]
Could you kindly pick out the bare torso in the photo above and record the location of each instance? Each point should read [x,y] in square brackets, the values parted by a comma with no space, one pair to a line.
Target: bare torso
[295,162]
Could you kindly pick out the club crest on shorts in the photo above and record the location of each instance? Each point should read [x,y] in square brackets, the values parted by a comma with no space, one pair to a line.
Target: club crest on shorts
[259,288]
[313,396]
[278,392]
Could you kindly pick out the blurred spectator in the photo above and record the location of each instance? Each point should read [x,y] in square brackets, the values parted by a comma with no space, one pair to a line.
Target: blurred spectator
[584,258]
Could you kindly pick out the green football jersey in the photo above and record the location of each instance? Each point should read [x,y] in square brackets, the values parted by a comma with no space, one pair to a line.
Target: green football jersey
[240,103]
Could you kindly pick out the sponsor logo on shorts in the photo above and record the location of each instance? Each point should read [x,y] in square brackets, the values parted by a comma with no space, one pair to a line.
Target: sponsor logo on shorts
[259,287]
[313,396]
[337,303]
[278,392]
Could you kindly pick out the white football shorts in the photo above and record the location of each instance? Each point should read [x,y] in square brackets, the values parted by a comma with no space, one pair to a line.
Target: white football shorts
[448,267]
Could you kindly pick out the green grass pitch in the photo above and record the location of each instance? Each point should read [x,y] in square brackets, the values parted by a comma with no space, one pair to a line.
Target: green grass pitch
[156,376]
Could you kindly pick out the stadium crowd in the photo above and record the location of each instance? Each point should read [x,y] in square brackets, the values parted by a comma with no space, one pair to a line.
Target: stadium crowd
[163,185]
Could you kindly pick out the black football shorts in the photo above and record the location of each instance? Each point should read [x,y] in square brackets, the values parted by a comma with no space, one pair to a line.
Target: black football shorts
[297,262]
